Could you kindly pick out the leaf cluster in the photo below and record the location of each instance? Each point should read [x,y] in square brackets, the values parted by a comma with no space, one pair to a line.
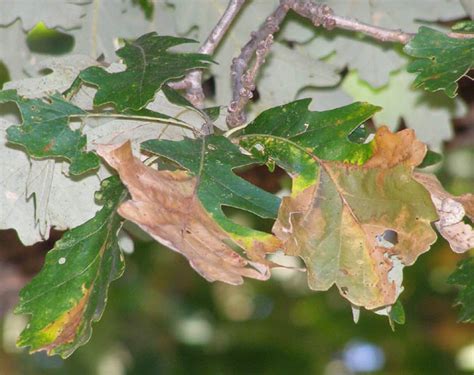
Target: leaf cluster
[359,210]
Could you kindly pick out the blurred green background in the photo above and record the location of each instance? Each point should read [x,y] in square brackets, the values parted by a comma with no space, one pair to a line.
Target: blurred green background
[162,318]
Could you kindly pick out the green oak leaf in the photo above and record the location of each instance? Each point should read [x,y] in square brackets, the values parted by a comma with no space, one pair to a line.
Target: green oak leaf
[327,134]
[213,159]
[45,131]
[149,66]
[464,277]
[70,292]
[441,61]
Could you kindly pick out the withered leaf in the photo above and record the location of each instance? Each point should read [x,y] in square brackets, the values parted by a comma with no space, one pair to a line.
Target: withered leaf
[451,211]
[165,205]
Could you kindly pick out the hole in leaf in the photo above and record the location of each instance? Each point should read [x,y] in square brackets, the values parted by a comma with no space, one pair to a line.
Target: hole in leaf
[248,219]
[261,177]
[387,239]
[41,39]
[10,110]
[363,132]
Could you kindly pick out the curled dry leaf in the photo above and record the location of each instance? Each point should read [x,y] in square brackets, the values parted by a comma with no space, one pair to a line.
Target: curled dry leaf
[357,226]
[166,206]
[451,211]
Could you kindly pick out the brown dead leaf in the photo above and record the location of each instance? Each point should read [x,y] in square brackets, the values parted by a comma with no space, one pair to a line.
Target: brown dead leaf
[165,205]
[451,211]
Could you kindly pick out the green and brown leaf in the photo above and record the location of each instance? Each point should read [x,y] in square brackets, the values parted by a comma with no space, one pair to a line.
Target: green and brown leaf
[70,292]
[45,131]
[166,205]
[339,214]
[212,160]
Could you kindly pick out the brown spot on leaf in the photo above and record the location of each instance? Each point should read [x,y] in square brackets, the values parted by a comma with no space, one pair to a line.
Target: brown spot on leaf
[49,146]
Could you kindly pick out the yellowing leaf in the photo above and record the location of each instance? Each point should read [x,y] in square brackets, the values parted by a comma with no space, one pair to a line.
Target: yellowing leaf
[165,204]
[354,224]
[451,211]
[70,292]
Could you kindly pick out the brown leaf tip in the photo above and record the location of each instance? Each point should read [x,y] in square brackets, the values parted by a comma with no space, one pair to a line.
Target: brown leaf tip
[392,149]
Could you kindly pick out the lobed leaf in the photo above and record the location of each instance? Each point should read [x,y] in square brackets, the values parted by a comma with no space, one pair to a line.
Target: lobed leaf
[149,66]
[441,60]
[165,204]
[339,215]
[45,130]
[70,292]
